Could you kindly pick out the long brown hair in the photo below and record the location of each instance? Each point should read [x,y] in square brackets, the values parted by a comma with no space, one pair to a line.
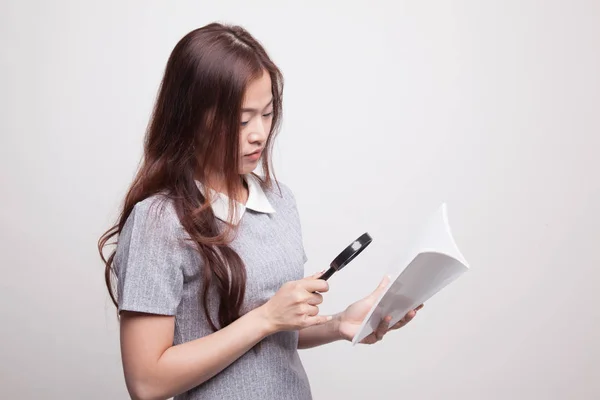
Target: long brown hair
[194,132]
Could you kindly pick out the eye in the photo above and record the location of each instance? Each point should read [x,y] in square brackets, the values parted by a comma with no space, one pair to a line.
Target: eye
[268,114]
[244,123]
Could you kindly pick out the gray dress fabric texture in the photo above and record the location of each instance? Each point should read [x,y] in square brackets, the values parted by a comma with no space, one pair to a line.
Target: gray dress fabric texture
[159,272]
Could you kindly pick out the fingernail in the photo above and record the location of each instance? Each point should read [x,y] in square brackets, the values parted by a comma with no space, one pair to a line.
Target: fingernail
[329,318]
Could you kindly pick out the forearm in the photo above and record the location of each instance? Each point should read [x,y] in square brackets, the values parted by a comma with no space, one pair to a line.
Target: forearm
[187,365]
[318,335]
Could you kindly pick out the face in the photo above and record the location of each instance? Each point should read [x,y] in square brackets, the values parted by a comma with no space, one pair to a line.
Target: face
[257,117]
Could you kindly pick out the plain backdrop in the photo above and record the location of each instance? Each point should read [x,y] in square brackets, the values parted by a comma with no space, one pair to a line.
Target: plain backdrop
[391,108]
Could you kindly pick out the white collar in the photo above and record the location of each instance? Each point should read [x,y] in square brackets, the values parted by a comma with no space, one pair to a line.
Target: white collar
[257,200]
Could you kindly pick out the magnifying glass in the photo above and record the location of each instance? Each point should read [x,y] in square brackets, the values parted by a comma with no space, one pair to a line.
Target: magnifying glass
[347,255]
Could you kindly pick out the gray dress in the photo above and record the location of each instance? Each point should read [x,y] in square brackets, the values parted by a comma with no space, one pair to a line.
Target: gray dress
[159,273]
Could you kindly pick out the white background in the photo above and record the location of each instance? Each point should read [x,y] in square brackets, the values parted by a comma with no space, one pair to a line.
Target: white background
[390,109]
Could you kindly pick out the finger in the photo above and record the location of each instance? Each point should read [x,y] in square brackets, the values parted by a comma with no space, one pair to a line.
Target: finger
[398,325]
[315,299]
[381,287]
[316,275]
[315,285]
[418,308]
[382,327]
[312,311]
[369,339]
[318,320]
[407,318]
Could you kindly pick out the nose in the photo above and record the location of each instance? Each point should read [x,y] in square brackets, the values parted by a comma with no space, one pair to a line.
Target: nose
[258,132]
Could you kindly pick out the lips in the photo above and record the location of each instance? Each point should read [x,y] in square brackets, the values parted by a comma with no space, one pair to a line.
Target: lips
[254,153]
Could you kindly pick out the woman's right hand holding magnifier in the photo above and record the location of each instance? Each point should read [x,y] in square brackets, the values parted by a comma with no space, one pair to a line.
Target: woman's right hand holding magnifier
[295,305]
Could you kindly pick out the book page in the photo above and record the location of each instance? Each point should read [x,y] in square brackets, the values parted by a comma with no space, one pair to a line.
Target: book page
[429,265]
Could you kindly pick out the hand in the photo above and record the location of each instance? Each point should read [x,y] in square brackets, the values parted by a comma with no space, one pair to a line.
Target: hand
[351,319]
[294,306]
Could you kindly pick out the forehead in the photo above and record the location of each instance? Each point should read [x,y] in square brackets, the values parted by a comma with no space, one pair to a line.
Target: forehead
[259,92]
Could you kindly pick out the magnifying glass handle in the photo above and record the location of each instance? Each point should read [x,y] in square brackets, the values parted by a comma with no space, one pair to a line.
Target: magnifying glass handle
[327,274]
[347,255]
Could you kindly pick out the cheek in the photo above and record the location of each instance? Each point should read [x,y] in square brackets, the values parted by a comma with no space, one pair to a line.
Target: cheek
[243,139]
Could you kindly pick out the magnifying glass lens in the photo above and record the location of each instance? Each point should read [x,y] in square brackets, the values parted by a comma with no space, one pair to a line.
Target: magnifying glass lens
[347,255]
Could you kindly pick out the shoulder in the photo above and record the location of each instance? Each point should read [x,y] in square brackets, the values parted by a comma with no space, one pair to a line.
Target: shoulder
[154,218]
[151,231]
[157,208]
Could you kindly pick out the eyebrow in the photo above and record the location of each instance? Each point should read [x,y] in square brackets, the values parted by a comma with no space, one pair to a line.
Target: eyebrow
[254,110]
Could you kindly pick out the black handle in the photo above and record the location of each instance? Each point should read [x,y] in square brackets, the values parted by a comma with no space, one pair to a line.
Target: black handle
[327,274]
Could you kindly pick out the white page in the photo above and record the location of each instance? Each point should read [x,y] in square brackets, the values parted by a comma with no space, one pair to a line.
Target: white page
[431,263]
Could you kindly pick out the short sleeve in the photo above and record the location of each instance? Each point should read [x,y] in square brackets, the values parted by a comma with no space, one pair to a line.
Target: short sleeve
[148,260]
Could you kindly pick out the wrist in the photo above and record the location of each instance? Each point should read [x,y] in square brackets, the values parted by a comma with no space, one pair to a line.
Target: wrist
[263,322]
[336,323]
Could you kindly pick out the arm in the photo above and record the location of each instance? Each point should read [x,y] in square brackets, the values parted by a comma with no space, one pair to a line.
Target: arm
[150,291]
[155,369]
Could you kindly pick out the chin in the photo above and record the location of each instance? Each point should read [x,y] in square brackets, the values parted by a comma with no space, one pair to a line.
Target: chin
[246,169]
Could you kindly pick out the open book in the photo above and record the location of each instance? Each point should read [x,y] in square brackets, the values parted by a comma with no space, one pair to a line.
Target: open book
[431,263]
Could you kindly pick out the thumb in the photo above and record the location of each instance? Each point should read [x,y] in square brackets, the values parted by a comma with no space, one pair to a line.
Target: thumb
[382,285]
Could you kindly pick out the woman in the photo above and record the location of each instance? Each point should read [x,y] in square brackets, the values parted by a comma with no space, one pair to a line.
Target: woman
[209,258]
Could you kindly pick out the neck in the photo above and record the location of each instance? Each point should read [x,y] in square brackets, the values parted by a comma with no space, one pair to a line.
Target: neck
[218,183]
